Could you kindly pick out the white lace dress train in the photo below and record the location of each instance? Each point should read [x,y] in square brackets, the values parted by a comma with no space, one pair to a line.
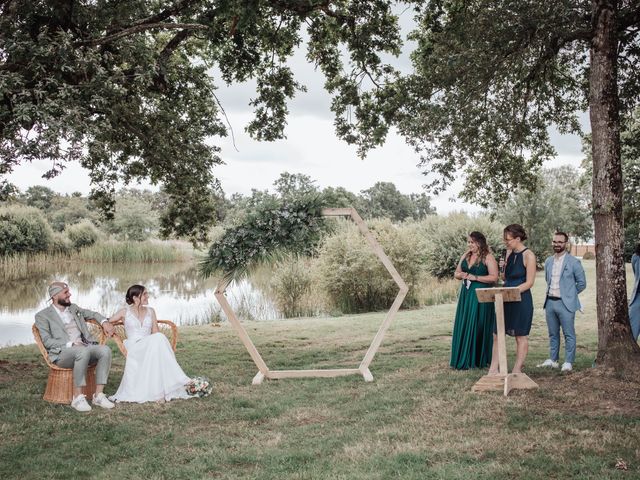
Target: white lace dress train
[151,371]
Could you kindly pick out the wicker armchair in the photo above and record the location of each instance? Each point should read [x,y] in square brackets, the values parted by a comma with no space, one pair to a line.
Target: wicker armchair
[60,382]
[166,326]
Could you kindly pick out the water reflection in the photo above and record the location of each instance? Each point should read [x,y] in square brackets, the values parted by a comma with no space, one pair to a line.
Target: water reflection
[176,292]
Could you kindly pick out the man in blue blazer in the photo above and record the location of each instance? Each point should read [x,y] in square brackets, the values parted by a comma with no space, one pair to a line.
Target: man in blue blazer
[634,299]
[565,280]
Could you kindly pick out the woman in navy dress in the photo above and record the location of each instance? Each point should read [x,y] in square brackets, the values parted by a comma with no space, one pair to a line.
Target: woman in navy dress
[519,271]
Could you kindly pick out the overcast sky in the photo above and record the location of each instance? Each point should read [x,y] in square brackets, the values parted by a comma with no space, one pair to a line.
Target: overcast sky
[311,148]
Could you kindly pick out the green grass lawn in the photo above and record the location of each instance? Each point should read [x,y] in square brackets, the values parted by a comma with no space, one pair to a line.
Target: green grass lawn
[417,420]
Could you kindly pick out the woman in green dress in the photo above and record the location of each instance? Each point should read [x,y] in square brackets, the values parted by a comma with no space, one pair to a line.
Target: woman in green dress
[472,340]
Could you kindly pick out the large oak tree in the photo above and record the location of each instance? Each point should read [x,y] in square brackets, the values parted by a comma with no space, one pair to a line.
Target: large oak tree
[490,78]
[127,88]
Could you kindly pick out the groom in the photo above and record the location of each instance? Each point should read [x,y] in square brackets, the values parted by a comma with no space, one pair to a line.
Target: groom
[69,343]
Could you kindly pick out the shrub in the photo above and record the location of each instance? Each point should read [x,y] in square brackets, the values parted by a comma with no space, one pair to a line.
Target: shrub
[588,256]
[23,230]
[291,283]
[60,243]
[83,234]
[67,211]
[355,279]
[445,240]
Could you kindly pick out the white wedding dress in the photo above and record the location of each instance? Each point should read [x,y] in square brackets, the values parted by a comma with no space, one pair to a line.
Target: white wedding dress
[151,372]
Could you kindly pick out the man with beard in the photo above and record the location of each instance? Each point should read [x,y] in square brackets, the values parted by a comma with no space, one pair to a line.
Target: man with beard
[565,280]
[69,343]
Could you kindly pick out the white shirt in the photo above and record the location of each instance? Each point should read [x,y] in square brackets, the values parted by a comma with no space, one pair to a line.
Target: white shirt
[556,272]
[69,324]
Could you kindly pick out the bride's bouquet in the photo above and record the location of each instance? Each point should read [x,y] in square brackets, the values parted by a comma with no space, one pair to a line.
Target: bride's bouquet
[199,386]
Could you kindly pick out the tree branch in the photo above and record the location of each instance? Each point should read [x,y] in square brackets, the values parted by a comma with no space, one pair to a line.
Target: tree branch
[553,47]
[169,12]
[170,47]
[302,7]
[166,52]
[138,29]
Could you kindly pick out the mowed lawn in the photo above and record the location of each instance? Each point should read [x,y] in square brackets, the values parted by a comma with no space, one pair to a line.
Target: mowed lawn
[417,420]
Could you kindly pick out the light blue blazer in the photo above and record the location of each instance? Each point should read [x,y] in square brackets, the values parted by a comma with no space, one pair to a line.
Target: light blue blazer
[572,281]
[635,265]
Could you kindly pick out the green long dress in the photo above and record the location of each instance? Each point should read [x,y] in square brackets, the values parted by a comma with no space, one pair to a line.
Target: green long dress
[473,328]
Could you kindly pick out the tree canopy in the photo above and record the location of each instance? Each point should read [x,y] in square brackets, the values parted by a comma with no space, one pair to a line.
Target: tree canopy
[128,88]
[489,79]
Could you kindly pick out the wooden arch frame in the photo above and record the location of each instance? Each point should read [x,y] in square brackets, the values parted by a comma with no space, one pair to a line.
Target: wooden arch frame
[363,368]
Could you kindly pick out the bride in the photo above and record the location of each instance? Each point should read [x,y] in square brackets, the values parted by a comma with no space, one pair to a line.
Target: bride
[151,372]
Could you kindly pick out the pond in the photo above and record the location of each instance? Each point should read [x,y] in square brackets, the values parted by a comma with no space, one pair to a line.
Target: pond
[176,292]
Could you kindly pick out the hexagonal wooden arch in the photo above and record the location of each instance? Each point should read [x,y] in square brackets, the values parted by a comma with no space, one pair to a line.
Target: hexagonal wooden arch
[363,368]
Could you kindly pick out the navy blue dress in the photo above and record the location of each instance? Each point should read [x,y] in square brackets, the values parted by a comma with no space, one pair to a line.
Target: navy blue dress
[518,316]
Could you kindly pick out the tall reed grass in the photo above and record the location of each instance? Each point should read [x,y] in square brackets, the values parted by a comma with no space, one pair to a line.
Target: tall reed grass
[23,265]
[136,252]
[436,292]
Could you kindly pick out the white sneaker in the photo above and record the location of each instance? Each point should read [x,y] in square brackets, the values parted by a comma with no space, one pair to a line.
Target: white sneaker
[80,404]
[101,400]
[548,363]
[566,367]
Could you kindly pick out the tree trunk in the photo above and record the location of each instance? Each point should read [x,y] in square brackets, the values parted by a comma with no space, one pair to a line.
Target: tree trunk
[616,348]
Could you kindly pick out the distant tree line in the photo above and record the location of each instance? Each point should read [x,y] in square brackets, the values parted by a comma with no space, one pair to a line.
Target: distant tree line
[62,222]
[561,202]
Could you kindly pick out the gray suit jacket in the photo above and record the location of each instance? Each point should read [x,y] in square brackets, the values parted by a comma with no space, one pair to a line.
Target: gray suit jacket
[572,281]
[54,335]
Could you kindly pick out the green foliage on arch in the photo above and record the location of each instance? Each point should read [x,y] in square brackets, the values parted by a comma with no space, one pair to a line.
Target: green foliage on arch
[276,227]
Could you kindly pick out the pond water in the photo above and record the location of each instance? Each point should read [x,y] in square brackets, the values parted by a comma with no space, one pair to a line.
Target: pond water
[176,292]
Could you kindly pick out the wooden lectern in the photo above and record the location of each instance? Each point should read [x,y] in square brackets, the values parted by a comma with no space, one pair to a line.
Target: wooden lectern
[504,380]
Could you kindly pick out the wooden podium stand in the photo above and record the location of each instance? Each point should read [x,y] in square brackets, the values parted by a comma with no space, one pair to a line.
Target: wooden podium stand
[504,380]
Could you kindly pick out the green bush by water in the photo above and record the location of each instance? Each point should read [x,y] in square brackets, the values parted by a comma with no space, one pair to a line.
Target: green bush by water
[83,234]
[23,230]
[291,283]
[23,265]
[445,240]
[355,279]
